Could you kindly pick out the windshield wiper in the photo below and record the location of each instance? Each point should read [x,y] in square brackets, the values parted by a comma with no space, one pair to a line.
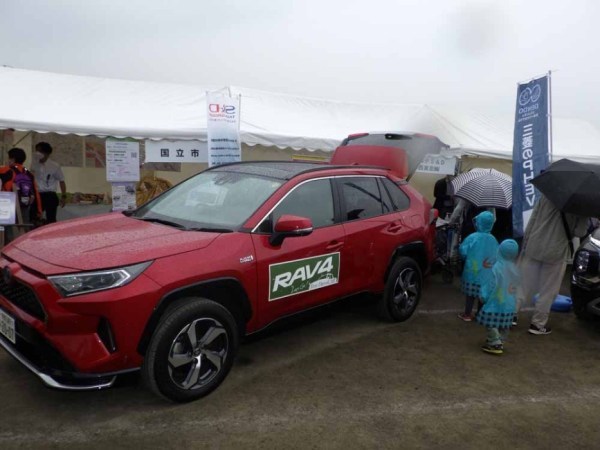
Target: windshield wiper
[211,230]
[162,222]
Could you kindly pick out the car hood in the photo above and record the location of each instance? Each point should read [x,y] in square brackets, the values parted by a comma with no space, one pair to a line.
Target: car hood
[104,241]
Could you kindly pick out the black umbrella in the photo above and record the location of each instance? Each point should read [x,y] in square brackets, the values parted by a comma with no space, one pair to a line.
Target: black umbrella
[572,187]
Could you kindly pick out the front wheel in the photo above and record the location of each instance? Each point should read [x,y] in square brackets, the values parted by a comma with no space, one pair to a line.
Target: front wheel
[580,309]
[191,351]
[402,291]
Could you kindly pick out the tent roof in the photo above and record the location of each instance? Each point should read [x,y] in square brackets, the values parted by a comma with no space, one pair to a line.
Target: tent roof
[50,102]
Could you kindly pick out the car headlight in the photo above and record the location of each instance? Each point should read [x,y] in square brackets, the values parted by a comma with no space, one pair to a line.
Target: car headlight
[86,282]
[581,261]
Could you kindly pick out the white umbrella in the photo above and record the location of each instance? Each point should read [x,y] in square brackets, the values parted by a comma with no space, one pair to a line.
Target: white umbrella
[484,188]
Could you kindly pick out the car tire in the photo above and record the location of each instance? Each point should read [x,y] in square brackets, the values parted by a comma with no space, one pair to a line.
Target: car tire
[191,350]
[402,291]
[579,308]
[447,276]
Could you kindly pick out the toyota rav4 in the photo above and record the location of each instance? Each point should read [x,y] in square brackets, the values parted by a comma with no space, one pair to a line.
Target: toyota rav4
[173,286]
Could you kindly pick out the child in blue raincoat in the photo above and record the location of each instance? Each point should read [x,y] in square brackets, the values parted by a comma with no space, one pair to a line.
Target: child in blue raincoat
[479,251]
[499,297]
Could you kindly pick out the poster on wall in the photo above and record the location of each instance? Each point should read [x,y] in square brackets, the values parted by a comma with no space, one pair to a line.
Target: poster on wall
[8,203]
[176,152]
[122,160]
[223,128]
[95,152]
[123,196]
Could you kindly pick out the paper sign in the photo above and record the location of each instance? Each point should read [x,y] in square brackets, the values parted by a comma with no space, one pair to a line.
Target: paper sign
[438,164]
[122,160]
[8,203]
[123,196]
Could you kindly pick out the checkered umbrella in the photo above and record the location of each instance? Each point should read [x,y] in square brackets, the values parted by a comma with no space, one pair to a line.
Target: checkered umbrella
[484,188]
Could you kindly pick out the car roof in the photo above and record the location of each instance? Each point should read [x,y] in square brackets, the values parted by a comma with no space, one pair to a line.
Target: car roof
[282,170]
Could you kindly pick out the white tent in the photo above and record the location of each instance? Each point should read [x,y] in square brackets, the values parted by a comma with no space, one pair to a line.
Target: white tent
[49,102]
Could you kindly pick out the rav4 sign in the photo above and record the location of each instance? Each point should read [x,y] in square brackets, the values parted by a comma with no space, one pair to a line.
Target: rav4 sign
[301,275]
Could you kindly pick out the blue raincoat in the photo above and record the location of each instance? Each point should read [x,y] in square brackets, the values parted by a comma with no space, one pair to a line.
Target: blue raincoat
[479,251]
[499,293]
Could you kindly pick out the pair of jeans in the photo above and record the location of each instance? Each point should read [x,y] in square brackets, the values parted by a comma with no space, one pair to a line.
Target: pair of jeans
[496,336]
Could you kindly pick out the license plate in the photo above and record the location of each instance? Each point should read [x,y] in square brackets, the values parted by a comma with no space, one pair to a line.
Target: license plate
[7,327]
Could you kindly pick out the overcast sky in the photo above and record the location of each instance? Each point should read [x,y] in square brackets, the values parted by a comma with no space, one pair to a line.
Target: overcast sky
[469,53]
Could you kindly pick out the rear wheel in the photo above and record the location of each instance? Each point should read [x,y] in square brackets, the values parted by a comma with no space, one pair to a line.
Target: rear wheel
[191,351]
[402,290]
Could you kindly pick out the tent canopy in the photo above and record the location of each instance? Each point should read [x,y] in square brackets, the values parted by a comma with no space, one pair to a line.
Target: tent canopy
[50,102]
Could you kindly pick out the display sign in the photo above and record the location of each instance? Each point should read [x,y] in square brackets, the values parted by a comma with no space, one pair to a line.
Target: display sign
[302,275]
[8,204]
[223,128]
[438,164]
[123,196]
[122,160]
[531,147]
[176,151]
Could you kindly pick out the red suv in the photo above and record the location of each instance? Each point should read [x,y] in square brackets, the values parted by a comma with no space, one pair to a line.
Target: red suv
[172,287]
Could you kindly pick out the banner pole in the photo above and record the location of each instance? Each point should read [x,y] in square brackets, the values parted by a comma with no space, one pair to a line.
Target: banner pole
[550,147]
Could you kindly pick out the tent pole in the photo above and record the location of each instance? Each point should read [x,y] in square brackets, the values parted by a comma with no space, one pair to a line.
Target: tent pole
[550,150]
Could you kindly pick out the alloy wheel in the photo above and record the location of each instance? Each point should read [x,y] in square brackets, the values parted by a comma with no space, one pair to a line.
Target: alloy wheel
[406,291]
[198,353]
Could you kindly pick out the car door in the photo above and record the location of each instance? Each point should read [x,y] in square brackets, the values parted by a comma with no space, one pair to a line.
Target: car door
[304,271]
[373,226]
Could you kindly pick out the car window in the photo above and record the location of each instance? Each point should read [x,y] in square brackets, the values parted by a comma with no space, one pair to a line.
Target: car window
[361,197]
[312,199]
[211,199]
[388,205]
[400,199]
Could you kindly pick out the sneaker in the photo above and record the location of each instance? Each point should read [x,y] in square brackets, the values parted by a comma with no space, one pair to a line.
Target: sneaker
[465,317]
[536,330]
[514,322]
[493,349]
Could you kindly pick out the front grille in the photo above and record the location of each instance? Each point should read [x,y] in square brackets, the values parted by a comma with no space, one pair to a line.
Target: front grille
[23,297]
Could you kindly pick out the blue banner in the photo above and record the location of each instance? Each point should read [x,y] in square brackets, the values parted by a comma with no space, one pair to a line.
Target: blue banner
[530,149]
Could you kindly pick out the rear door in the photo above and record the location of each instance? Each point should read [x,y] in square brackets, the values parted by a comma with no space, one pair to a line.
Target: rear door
[374,226]
[304,271]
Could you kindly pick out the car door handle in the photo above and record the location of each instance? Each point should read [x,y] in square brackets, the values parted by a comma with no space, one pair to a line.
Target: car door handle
[334,245]
[396,226]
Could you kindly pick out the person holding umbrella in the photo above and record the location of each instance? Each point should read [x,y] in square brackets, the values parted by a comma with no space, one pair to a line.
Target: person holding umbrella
[558,216]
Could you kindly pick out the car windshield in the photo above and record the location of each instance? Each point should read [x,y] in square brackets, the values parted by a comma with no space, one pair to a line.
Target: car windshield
[210,201]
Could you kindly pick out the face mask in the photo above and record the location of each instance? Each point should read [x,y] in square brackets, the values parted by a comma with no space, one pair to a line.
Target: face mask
[40,155]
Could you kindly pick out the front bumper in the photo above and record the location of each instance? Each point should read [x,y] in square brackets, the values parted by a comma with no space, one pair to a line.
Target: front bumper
[60,379]
[585,295]
[60,339]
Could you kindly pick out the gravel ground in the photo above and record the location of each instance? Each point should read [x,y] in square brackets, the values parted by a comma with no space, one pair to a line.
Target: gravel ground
[340,378]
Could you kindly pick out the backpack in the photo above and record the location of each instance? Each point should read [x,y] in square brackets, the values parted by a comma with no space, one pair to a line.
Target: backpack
[24,182]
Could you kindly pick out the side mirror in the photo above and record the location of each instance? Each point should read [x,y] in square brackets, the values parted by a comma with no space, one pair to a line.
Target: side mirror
[290,226]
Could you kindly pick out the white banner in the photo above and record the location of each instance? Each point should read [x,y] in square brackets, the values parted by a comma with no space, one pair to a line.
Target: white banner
[438,164]
[223,128]
[176,151]
[122,160]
